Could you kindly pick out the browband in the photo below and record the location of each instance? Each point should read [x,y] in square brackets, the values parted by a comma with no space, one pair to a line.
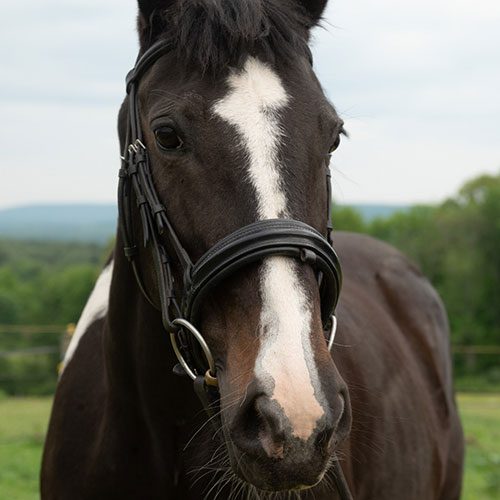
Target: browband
[145,61]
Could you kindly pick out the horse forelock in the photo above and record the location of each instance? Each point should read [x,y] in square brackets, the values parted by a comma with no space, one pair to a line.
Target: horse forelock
[212,35]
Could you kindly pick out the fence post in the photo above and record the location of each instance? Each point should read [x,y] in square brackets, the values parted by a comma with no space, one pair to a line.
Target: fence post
[64,343]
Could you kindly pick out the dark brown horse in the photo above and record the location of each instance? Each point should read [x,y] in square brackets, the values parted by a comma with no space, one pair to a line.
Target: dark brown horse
[238,130]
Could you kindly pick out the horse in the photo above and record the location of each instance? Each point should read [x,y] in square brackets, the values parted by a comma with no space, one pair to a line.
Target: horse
[226,137]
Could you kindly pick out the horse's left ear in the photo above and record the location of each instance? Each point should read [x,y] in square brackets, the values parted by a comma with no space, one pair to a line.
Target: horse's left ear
[150,20]
[314,8]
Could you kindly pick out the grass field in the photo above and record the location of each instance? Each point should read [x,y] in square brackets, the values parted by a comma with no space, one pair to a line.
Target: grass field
[23,423]
[22,427]
[481,421]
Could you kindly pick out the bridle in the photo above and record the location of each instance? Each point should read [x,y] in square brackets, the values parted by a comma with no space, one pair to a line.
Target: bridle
[180,308]
[180,305]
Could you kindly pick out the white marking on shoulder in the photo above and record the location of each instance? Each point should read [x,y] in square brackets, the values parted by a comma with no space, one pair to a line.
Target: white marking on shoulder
[253,107]
[95,308]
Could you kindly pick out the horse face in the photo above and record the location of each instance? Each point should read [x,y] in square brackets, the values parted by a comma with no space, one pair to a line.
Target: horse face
[249,144]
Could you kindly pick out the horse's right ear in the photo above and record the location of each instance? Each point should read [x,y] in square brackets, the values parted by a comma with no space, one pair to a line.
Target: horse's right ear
[150,21]
[314,9]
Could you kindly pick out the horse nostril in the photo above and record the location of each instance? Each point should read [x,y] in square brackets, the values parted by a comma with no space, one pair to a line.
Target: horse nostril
[271,429]
[269,416]
[327,437]
[259,429]
[324,438]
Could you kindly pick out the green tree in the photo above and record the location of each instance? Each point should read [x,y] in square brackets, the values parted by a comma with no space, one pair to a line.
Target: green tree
[348,219]
[457,246]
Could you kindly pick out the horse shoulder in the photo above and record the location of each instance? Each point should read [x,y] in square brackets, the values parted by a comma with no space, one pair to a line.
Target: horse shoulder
[397,355]
[406,295]
[78,406]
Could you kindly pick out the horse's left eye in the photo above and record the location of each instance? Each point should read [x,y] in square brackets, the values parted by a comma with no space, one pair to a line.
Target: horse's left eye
[167,139]
[336,144]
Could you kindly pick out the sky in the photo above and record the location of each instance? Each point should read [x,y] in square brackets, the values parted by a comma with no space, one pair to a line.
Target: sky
[417,83]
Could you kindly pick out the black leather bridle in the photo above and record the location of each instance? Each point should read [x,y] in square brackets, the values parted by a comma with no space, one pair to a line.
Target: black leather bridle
[247,245]
[180,303]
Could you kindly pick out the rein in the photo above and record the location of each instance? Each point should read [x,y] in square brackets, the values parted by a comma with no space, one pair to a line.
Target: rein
[180,303]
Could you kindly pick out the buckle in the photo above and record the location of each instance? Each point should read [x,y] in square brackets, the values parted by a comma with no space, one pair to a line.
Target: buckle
[135,147]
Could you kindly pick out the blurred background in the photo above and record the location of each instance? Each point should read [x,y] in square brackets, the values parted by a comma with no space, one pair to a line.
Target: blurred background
[417,84]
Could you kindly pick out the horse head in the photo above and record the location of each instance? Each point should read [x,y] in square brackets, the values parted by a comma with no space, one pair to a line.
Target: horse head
[238,130]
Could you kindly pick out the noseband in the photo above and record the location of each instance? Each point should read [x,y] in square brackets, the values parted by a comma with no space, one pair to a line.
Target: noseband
[180,305]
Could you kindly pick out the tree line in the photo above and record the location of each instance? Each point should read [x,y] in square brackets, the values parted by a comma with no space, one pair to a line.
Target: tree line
[457,246]
[46,282]
[41,283]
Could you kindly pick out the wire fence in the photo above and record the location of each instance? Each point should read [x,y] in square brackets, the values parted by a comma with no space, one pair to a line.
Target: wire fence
[33,329]
[68,330]
[33,351]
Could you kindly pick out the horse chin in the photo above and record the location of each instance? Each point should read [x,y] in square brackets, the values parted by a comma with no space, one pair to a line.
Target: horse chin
[275,475]
[263,478]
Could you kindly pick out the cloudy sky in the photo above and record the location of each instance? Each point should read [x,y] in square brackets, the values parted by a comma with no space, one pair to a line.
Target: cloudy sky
[417,82]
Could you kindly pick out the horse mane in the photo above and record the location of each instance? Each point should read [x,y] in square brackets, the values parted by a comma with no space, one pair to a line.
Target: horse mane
[211,35]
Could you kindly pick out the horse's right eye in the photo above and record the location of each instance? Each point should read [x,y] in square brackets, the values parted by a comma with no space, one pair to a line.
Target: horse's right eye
[336,144]
[168,139]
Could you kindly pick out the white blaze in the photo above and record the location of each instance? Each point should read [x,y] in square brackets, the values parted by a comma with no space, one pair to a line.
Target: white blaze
[285,358]
[95,308]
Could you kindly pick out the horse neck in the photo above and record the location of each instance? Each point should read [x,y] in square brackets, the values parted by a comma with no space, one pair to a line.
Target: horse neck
[137,350]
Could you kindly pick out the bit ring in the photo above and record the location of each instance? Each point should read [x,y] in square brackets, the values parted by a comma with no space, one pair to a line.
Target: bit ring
[183,323]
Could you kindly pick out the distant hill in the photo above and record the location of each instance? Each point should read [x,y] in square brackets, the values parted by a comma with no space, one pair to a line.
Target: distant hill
[86,223]
[370,212]
[97,223]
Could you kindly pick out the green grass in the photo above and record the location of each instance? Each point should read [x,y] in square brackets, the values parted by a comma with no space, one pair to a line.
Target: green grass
[23,422]
[481,420]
